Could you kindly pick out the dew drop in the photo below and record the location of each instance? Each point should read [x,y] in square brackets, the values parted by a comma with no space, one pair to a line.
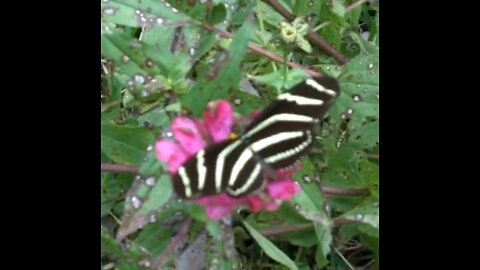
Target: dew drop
[357,98]
[365,90]
[166,206]
[307,179]
[139,79]
[358,85]
[149,63]
[237,101]
[159,21]
[297,207]
[150,181]
[370,66]
[377,97]
[359,217]
[191,51]
[310,3]
[130,82]
[125,58]
[105,1]
[167,4]
[152,218]
[136,203]
[145,263]
[179,201]
[174,10]
[149,148]
[109,11]
[144,93]
[138,12]
[327,68]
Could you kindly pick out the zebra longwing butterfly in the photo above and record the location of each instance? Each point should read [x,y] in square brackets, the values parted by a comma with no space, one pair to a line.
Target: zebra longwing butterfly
[275,139]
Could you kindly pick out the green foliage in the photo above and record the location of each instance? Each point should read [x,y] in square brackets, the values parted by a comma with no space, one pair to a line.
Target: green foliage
[160,59]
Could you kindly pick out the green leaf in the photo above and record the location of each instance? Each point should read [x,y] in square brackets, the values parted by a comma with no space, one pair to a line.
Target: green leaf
[129,56]
[338,8]
[268,14]
[138,60]
[144,201]
[366,136]
[126,145]
[370,175]
[110,192]
[313,7]
[154,238]
[360,89]
[343,165]
[229,76]
[320,257]
[158,196]
[109,245]
[152,166]
[366,212]
[311,204]
[156,117]
[269,248]
[145,13]
[219,13]
[303,44]
[277,80]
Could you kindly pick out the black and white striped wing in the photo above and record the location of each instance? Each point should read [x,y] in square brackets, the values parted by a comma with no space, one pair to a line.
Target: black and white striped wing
[284,131]
[226,166]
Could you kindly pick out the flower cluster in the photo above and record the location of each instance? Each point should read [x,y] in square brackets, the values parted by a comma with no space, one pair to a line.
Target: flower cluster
[192,135]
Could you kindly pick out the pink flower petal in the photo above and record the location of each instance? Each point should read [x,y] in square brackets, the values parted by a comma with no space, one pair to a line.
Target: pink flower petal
[187,135]
[255,204]
[171,154]
[282,189]
[219,120]
[218,212]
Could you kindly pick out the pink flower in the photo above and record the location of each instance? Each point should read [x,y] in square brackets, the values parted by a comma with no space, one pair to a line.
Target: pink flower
[193,135]
[219,120]
[282,189]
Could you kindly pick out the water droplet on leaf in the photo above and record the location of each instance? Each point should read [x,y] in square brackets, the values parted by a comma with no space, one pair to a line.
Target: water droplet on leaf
[149,63]
[136,203]
[237,101]
[358,85]
[159,21]
[139,79]
[174,10]
[370,66]
[359,217]
[125,58]
[357,98]
[152,218]
[150,181]
[307,179]
[109,11]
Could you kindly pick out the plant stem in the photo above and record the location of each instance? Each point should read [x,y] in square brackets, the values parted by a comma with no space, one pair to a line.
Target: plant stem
[263,52]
